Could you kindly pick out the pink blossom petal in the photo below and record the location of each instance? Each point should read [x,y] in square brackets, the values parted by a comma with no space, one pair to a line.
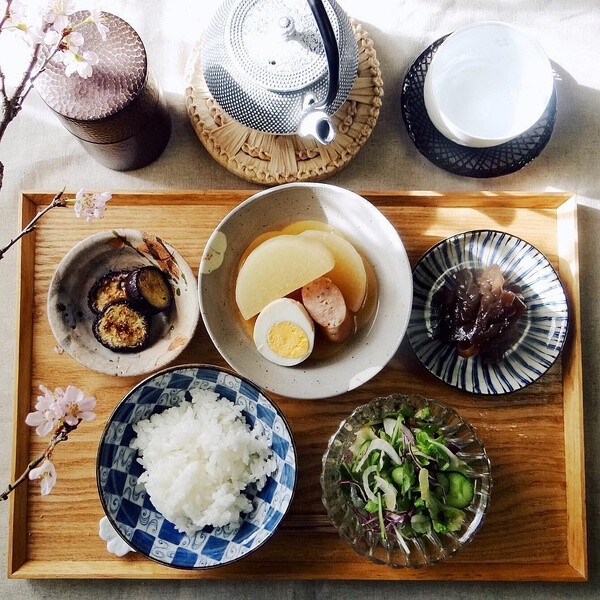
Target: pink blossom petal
[34,419]
[87,415]
[70,395]
[47,473]
[37,472]
[46,485]
[102,30]
[45,428]
[70,69]
[52,37]
[46,400]
[58,411]
[60,22]
[76,39]
[87,403]
[44,403]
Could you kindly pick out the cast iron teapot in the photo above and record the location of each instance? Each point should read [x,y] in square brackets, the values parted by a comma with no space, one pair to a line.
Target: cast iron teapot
[281,66]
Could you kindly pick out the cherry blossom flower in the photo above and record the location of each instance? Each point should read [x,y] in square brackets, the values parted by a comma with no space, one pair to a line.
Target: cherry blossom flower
[51,37]
[58,13]
[72,41]
[18,22]
[91,206]
[76,406]
[47,413]
[16,16]
[61,412]
[79,63]
[97,19]
[47,474]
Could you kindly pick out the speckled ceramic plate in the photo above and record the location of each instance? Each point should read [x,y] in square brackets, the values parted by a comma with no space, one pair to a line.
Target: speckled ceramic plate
[362,356]
[71,319]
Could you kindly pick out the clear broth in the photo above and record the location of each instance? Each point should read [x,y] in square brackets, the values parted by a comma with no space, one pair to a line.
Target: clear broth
[323,347]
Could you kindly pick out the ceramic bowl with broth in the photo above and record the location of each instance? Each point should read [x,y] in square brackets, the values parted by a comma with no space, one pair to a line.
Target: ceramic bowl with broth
[381,322]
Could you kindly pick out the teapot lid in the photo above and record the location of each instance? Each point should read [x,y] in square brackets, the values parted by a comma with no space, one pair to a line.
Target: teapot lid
[277,44]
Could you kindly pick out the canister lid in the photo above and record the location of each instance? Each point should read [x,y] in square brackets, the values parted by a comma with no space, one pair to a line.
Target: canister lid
[108,95]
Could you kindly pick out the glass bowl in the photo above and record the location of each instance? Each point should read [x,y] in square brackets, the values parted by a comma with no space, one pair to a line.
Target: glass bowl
[427,549]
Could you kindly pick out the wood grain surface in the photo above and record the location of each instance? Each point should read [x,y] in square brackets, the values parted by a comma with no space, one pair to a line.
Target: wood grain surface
[535,528]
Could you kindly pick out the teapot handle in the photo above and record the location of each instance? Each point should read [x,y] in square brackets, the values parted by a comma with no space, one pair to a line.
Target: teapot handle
[332,51]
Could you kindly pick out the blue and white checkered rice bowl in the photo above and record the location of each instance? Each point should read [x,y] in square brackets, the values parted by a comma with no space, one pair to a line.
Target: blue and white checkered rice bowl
[127,504]
[543,327]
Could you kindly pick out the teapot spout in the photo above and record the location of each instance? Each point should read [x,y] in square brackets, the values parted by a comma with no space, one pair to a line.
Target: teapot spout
[317,124]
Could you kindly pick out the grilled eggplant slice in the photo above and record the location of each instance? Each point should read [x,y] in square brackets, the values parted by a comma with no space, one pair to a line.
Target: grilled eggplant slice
[122,328]
[106,290]
[149,289]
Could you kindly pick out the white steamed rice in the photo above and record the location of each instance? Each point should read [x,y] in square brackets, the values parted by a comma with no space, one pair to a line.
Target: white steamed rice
[198,459]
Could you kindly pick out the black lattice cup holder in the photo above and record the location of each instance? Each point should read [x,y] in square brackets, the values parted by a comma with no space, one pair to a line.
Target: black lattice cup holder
[463,160]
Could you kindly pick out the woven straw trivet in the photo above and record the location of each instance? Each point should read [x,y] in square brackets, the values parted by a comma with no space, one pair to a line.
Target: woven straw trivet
[274,159]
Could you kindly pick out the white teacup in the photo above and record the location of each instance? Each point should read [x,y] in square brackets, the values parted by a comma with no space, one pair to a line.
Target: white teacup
[487,83]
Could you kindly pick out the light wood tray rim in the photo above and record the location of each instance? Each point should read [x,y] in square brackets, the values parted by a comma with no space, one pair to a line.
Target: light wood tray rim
[574,569]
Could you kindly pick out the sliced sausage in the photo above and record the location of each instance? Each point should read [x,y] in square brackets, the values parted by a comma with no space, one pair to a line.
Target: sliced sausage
[327,307]
[343,332]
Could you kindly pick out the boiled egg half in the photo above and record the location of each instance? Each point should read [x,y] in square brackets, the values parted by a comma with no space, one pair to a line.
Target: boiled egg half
[284,333]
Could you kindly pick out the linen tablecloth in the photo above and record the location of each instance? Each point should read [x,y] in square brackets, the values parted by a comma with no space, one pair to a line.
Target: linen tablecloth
[39,154]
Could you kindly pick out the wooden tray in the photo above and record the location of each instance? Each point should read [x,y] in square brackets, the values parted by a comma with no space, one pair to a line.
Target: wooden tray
[535,529]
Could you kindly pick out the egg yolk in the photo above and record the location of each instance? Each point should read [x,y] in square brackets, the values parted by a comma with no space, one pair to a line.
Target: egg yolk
[288,340]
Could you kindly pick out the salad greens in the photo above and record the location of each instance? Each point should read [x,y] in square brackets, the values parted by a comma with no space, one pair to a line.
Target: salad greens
[403,479]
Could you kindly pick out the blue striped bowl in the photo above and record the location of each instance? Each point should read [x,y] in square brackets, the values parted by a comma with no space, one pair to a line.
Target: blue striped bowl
[127,504]
[543,327]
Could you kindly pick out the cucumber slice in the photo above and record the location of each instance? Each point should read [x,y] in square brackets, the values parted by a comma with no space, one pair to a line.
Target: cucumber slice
[365,434]
[442,479]
[461,491]
[404,476]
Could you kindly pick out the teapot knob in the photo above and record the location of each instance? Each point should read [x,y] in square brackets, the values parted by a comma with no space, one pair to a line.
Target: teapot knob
[288,28]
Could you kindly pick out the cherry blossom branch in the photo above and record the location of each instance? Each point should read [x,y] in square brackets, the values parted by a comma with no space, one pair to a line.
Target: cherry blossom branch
[86,204]
[59,412]
[6,13]
[15,102]
[32,78]
[55,38]
[62,435]
[56,201]
[3,94]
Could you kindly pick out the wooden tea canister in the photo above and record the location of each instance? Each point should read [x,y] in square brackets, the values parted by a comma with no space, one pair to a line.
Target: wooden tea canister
[118,114]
